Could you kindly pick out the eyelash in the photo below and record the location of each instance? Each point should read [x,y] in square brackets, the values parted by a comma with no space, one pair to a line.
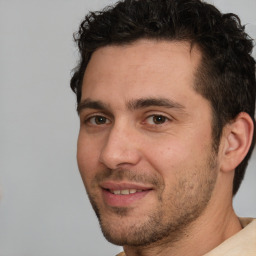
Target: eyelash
[162,119]
[90,118]
[157,118]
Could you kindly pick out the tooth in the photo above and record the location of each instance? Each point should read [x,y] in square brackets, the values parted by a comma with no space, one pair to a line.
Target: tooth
[132,191]
[125,192]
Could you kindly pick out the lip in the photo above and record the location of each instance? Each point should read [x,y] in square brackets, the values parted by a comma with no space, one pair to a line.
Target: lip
[123,200]
[112,185]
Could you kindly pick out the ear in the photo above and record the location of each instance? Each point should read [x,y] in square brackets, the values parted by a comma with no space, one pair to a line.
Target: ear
[236,139]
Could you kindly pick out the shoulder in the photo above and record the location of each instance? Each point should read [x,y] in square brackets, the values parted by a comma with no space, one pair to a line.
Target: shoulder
[242,243]
[121,254]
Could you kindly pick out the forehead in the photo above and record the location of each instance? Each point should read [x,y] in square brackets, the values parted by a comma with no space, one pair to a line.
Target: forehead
[144,67]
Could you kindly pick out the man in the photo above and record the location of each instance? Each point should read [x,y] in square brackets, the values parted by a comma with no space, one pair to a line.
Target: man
[166,97]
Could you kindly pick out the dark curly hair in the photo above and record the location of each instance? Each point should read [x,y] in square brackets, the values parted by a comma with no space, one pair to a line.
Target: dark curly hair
[226,76]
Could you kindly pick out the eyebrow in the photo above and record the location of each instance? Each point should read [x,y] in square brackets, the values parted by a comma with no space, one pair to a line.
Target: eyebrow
[88,103]
[149,102]
[131,104]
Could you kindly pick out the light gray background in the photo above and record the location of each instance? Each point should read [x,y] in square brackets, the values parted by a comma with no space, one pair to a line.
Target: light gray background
[43,208]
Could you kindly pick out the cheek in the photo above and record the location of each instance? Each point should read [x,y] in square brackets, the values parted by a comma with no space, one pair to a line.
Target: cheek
[168,154]
[87,157]
[174,156]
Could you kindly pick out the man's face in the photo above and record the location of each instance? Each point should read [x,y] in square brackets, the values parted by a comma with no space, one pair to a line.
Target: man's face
[145,145]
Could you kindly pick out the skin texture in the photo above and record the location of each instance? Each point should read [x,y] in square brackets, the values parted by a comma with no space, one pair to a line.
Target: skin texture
[143,126]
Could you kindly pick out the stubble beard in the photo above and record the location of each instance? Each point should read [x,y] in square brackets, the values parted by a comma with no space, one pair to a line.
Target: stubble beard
[187,201]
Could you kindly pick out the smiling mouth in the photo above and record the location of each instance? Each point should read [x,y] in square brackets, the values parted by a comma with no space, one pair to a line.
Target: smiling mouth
[123,195]
[125,191]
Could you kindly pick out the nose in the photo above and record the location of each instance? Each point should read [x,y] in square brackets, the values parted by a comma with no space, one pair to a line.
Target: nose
[121,148]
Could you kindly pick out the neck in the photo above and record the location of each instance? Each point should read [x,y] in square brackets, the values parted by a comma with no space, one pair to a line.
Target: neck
[204,234]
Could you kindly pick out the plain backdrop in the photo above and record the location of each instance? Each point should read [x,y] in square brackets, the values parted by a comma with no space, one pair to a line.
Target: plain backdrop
[44,210]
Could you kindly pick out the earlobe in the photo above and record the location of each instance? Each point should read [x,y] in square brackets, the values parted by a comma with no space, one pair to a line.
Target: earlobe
[237,141]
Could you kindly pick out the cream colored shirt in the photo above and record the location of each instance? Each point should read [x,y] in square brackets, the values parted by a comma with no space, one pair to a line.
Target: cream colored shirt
[242,243]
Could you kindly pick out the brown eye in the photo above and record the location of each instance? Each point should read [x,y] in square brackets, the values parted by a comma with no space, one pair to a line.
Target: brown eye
[98,120]
[156,119]
[159,119]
